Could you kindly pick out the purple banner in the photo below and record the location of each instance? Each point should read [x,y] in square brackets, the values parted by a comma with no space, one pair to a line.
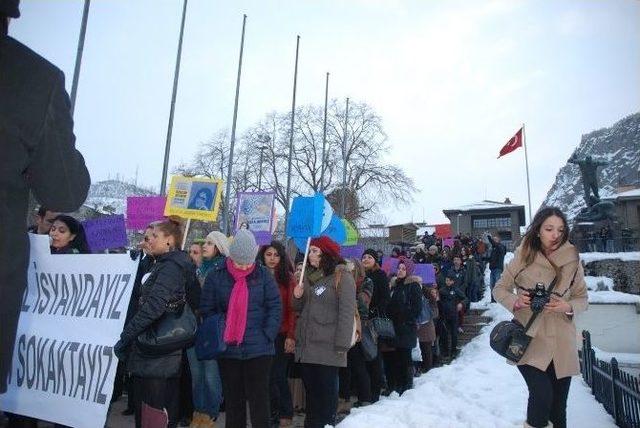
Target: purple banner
[352,251]
[390,265]
[426,272]
[106,232]
[262,238]
[142,210]
[448,242]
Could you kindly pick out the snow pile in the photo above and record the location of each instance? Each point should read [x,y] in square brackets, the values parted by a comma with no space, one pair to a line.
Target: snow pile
[478,389]
[623,359]
[625,257]
[599,283]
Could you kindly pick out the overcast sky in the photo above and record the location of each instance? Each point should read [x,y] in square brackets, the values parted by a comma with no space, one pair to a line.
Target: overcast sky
[453,81]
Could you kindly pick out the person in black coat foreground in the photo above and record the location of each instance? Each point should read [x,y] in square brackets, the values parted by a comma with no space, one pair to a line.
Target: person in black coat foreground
[156,378]
[38,155]
[403,309]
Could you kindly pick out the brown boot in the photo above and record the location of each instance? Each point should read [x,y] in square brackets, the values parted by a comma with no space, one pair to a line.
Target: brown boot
[196,420]
[286,422]
[344,406]
[207,421]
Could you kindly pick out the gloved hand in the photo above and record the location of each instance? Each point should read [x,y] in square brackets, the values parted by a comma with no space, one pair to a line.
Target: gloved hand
[121,350]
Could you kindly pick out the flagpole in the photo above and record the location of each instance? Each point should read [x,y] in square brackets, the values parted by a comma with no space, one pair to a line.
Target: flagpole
[526,161]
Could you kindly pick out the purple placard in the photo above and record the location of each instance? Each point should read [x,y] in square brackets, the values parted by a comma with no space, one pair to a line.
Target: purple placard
[449,242]
[426,272]
[352,251]
[262,238]
[390,265]
[142,210]
[106,232]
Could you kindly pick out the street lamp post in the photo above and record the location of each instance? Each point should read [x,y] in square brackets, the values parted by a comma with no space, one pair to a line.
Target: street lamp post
[262,149]
[459,215]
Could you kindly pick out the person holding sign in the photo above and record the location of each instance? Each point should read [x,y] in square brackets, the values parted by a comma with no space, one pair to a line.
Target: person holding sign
[157,377]
[248,296]
[326,302]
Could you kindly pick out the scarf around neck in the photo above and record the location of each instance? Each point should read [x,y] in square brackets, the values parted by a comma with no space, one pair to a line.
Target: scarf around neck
[236,321]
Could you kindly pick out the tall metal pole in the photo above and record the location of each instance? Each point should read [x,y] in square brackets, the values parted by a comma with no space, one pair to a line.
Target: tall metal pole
[176,75]
[526,161]
[76,70]
[344,161]
[260,171]
[324,133]
[227,195]
[293,116]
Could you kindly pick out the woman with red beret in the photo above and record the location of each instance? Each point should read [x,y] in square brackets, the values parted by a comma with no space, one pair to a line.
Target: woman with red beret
[326,302]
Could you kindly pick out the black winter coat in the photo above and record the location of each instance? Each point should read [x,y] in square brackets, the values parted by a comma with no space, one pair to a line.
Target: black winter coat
[264,311]
[380,292]
[449,299]
[165,283]
[496,259]
[38,154]
[403,309]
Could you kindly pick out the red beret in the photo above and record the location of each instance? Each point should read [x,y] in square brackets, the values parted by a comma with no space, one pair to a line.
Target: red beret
[327,246]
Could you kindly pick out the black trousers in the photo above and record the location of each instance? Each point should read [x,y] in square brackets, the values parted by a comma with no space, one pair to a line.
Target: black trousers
[547,396]
[281,402]
[355,373]
[246,381]
[449,340]
[158,393]
[426,349]
[374,367]
[402,375]
[321,387]
[186,394]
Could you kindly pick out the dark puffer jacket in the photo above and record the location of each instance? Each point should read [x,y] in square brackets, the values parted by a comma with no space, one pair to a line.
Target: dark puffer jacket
[380,292]
[450,296]
[404,308]
[264,312]
[166,283]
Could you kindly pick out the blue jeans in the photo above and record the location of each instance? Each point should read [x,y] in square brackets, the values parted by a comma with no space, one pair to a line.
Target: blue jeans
[206,384]
[495,276]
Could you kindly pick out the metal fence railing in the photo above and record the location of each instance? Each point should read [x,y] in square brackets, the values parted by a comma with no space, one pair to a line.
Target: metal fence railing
[616,390]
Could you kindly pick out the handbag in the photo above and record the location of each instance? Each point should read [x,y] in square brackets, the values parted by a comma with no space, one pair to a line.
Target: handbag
[384,327]
[369,341]
[509,338]
[174,330]
[210,337]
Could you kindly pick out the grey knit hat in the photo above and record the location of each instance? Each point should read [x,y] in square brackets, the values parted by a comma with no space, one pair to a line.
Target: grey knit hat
[243,249]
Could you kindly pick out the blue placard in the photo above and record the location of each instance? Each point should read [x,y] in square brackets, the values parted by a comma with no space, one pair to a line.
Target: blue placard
[305,219]
[336,230]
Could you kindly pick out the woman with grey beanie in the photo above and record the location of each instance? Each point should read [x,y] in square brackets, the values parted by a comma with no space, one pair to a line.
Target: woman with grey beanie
[246,293]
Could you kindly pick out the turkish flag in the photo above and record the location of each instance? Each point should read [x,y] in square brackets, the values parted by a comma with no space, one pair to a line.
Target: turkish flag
[512,144]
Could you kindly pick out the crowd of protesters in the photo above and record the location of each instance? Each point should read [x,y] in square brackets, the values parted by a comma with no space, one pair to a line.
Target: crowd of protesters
[320,331]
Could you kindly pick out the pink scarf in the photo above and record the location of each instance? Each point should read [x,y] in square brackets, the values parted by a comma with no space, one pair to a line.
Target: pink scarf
[236,321]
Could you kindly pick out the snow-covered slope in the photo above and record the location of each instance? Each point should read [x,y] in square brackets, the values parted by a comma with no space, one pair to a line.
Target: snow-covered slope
[619,145]
[111,195]
[478,389]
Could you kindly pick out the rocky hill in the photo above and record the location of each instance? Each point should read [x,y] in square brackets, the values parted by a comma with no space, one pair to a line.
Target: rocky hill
[110,196]
[619,145]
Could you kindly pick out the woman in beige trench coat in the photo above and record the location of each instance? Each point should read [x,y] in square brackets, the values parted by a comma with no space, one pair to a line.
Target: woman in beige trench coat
[552,356]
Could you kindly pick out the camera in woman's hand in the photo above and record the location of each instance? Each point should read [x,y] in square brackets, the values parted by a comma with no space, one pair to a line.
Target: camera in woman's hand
[539,298]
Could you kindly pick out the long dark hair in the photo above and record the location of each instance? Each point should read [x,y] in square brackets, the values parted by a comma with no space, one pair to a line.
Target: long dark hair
[531,243]
[328,263]
[284,271]
[74,226]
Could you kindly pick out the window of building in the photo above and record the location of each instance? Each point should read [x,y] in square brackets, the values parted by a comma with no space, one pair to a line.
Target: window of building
[491,222]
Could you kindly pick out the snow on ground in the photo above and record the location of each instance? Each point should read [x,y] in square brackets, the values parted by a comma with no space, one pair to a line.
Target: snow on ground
[625,257]
[622,358]
[601,291]
[478,389]
[599,283]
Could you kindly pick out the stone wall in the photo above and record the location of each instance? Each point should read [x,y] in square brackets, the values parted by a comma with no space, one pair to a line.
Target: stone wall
[625,274]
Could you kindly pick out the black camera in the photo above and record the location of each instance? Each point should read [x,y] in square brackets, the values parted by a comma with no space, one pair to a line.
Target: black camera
[539,298]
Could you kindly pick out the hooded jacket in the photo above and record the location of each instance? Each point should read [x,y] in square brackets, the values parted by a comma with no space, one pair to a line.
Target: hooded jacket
[553,334]
[403,309]
[325,326]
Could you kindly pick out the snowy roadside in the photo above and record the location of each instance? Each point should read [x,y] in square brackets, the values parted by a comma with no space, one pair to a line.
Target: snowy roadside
[478,389]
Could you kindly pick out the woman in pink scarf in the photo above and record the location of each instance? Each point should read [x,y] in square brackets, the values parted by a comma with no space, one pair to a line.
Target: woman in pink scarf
[248,296]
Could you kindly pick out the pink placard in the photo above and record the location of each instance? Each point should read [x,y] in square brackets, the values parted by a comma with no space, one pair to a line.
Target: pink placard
[142,210]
